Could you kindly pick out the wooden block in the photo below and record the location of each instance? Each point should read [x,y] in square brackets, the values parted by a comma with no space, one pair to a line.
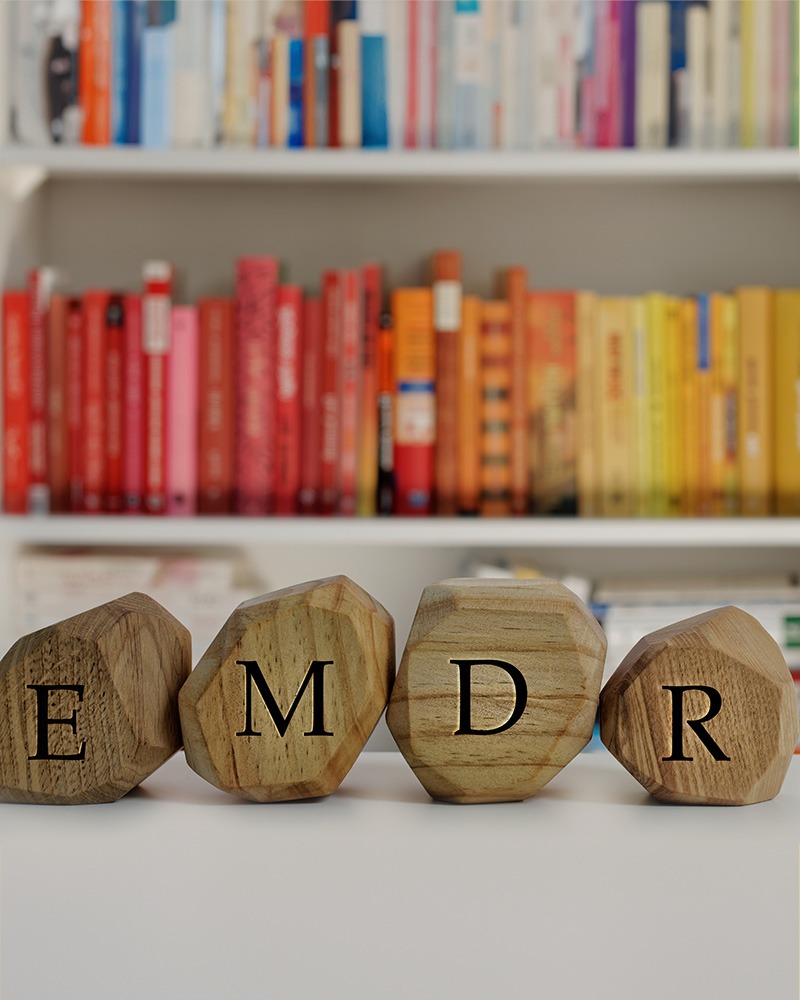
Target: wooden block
[286,696]
[703,711]
[497,689]
[89,706]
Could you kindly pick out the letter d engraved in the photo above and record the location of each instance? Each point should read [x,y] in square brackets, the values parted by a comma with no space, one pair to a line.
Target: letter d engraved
[43,720]
[314,676]
[714,706]
[465,726]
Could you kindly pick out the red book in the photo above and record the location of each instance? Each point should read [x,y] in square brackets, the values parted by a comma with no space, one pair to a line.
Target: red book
[310,457]
[350,391]
[289,397]
[368,446]
[329,399]
[256,294]
[115,323]
[16,401]
[337,12]
[156,331]
[215,443]
[182,412]
[133,406]
[95,307]
[317,27]
[40,285]
[74,402]
[57,388]
[446,289]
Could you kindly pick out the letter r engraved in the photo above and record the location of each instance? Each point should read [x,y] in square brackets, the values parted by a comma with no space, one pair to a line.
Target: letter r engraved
[696,725]
[44,721]
[314,677]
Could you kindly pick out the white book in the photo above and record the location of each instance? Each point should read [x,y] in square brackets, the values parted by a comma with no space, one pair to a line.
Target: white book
[526,97]
[242,29]
[509,17]
[762,72]
[699,72]
[426,64]
[569,17]
[546,62]
[397,71]
[349,84]
[780,110]
[489,110]
[652,75]
[445,81]
[470,78]
[720,15]
[584,69]
[192,104]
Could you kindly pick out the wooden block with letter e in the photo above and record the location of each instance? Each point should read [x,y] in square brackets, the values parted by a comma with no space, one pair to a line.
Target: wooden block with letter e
[498,687]
[88,707]
[703,711]
[286,696]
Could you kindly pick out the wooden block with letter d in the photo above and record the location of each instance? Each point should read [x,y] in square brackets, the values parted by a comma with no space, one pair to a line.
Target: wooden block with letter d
[703,711]
[286,696]
[498,687]
[89,706]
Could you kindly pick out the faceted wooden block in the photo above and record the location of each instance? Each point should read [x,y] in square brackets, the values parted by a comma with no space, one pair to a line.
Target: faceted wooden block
[703,711]
[497,689]
[284,699]
[89,706]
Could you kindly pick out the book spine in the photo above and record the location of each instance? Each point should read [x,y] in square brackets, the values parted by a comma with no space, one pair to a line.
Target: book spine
[182,411]
[94,69]
[678,91]
[426,40]
[589,456]
[397,70]
[415,400]
[628,72]
[447,292]
[698,69]
[749,81]
[468,71]
[656,306]
[192,111]
[445,79]
[640,407]
[215,481]
[717,429]
[469,402]
[674,440]
[372,280]
[411,125]
[349,390]
[350,115]
[385,499]
[330,401]
[373,19]
[317,67]
[278,127]
[74,403]
[256,294]
[516,281]
[133,409]
[763,56]
[57,431]
[156,330]
[310,468]
[296,83]
[113,416]
[341,10]
[155,126]
[782,43]
[613,368]
[794,125]
[120,25]
[652,74]
[40,286]
[786,396]
[16,401]
[136,13]
[95,307]
[288,414]
[730,367]
[755,383]
[704,375]
[495,410]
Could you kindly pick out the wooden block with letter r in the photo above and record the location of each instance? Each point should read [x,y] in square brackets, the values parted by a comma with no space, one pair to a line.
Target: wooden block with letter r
[89,706]
[286,696]
[703,711]
[498,687]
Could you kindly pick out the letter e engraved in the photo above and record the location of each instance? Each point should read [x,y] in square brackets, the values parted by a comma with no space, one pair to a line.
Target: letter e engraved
[43,721]
[714,706]
[465,726]
[314,677]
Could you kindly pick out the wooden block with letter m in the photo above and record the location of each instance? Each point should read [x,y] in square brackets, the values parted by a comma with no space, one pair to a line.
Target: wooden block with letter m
[283,701]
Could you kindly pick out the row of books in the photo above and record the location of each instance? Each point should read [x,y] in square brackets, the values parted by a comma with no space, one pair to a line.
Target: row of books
[406,74]
[275,401]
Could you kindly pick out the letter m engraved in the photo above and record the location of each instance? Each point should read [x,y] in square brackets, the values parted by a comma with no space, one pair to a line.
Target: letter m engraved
[314,677]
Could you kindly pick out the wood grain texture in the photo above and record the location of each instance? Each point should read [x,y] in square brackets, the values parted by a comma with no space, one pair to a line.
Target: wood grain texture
[755,725]
[115,672]
[540,628]
[331,621]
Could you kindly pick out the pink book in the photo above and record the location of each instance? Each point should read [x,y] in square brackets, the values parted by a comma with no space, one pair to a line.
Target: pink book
[156,328]
[311,456]
[256,295]
[289,404]
[182,411]
[412,76]
[132,407]
[350,390]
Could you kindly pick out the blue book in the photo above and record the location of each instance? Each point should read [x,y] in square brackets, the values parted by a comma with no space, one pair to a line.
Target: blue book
[120,26]
[295,135]
[374,115]
[677,71]
[467,97]
[156,76]
[136,12]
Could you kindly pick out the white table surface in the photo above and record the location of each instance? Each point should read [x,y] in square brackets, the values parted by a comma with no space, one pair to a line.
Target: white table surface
[589,890]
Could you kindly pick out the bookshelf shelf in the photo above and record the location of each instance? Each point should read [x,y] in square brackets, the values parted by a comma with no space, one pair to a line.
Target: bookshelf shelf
[441,533]
[380,165]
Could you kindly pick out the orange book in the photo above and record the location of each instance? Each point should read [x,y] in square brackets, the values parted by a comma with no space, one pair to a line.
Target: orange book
[94,71]
[514,288]
[447,323]
[551,395]
[496,409]
[315,56]
[755,394]
[469,407]
[415,400]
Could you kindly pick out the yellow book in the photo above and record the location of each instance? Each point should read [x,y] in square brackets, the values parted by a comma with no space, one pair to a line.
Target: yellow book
[748,81]
[756,446]
[673,359]
[640,409]
[692,426]
[586,410]
[718,403]
[613,371]
[787,402]
[730,381]
[656,306]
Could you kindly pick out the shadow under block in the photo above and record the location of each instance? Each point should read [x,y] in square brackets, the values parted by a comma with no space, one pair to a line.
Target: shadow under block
[284,699]
[89,706]
[703,711]
[497,689]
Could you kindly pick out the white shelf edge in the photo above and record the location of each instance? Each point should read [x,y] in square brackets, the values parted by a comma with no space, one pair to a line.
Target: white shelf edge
[391,165]
[537,533]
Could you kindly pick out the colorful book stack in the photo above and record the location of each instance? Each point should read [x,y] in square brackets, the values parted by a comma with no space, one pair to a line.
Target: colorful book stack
[406,74]
[274,401]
